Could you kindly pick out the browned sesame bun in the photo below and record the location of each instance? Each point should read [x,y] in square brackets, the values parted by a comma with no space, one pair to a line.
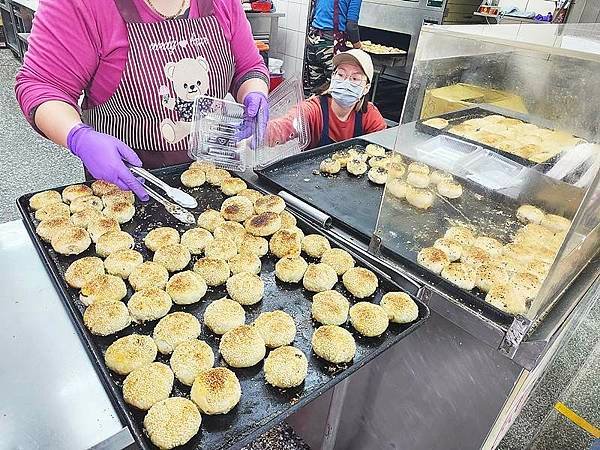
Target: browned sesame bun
[360,282]
[216,176]
[216,391]
[417,179]
[342,157]
[210,220]
[264,224]
[107,317]
[538,268]
[233,186]
[74,191]
[474,256]
[250,194]
[149,304]
[83,270]
[510,264]
[450,247]
[277,328]
[374,150]
[118,196]
[254,245]
[433,259]
[290,269]
[214,271]
[491,246]
[333,344]
[378,175]
[437,176]
[397,188]
[314,245]
[221,248]
[195,240]
[48,228]
[103,287]
[449,189]
[518,252]
[193,178]
[160,236]
[129,353]
[242,346]
[71,240]
[101,187]
[285,243]
[358,154]
[186,287]
[121,211]
[330,308]
[245,262]
[400,307]
[555,224]
[269,203]
[369,319]
[173,256]
[530,214]
[339,259]
[246,288]
[460,274]
[436,122]
[101,225]
[53,210]
[148,275]
[224,315]
[356,167]
[503,296]
[85,217]
[286,367]
[418,167]
[148,385]
[488,274]
[396,170]
[231,230]
[202,165]
[543,253]
[330,166]
[526,284]
[113,241]
[89,201]
[173,329]
[43,199]
[319,277]
[532,234]
[287,220]
[379,162]
[419,198]
[190,358]
[172,422]
[462,235]
[237,209]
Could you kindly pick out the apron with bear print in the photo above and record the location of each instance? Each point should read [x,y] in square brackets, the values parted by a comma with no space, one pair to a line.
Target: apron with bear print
[169,64]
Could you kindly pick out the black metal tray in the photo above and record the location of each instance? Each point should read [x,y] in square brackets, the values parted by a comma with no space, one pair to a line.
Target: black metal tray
[261,406]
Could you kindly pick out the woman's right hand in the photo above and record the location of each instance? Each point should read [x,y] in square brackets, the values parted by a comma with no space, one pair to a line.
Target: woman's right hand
[103,157]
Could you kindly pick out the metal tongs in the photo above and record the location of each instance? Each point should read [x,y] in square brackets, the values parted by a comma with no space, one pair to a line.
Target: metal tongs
[176,211]
[177,195]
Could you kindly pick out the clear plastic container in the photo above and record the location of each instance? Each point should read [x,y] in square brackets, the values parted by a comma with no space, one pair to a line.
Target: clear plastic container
[444,152]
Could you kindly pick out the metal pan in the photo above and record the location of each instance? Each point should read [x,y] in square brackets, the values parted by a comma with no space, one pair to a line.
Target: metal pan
[262,406]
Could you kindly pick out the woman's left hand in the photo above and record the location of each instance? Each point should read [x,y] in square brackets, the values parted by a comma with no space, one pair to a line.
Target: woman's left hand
[256,114]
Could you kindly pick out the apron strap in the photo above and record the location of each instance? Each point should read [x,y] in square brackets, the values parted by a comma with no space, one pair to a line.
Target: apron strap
[130,13]
[358,128]
[325,139]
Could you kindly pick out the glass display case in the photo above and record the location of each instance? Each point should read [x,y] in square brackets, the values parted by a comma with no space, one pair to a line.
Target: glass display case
[493,193]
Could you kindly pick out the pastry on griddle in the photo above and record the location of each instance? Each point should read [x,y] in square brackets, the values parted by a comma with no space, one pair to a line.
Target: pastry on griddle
[101,187]
[333,344]
[83,270]
[101,225]
[216,176]
[74,191]
[149,275]
[216,391]
[172,422]
[210,220]
[149,304]
[245,262]
[340,260]
[113,241]
[342,157]
[202,165]
[417,179]
[231,230]
[319,277]
[474,256]
[460,274]
[118,196]
[245,288]
[160,236]
[250,194]
[264,224]
[532,234]
[505,298]
[48,228]
[269,203]
[43,199]
[418,167]
[195,240]
[254,245]
[330,308]
[492,246]
[148,385]
[173,329]
[488,274]
[222,248]
[173,257]
[129,353]
[286,367]
[277,328]
[287,220]
[89,201]
[399,307]
[518,252]
[102,287]
[71,240]
[214,271]
[290,269]
[374,150]
[106,317]
[122,262]
[450,247]
[242,346]
[123,212]
[360,282]
[463,235]
[433,259]
[510,264]
[555,224]
[359,154]
[86,217]
[223,315]
[314,245]
[54,210]
[436,122]
[396,169]
[186,287]
[526,284]
[419,198]
[449,189]
[233,186]
[285,243]
[378,175]
[356,167]
[379,161]
[189,359]
[397,188]
[538,268]
[330,166]
[369,319]
[237,209]
[530,214]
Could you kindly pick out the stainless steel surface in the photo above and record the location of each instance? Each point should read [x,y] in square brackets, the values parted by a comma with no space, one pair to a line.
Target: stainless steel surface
[264,26]
[306,210]
[176,211]
[182,198]
[336,408]
[584,11]
[51,395]
[120,440]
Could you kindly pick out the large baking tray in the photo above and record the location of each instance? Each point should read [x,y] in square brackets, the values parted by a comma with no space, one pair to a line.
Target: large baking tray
[262,406]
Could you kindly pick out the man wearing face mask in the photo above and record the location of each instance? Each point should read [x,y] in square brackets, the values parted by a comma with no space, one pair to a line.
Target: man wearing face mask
[342,111]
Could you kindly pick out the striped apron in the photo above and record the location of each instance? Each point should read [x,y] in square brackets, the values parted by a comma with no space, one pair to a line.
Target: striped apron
[169,64]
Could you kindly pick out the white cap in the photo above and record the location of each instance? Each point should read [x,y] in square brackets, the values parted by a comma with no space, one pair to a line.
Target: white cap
[356,56]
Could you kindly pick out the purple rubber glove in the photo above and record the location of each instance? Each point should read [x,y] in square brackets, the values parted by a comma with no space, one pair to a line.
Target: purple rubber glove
[103,157]
[255,115]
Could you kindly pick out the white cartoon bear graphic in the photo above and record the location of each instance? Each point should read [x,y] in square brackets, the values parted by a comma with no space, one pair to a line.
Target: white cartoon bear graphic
[189,78]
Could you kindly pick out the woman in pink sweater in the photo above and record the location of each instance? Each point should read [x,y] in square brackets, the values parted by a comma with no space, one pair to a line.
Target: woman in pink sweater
[140,65]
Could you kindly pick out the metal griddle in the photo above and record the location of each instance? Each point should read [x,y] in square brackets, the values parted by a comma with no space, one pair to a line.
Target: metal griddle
[261,406]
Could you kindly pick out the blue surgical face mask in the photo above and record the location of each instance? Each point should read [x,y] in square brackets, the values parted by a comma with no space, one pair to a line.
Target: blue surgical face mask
[345,93]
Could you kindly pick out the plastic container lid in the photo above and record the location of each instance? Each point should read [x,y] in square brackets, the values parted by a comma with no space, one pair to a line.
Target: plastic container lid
[444,152]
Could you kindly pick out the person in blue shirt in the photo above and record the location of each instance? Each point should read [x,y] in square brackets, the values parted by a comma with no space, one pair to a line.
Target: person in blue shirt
[334,23]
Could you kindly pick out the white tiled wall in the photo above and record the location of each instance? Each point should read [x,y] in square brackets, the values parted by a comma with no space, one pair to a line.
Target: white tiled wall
[538,6]
[292,35]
